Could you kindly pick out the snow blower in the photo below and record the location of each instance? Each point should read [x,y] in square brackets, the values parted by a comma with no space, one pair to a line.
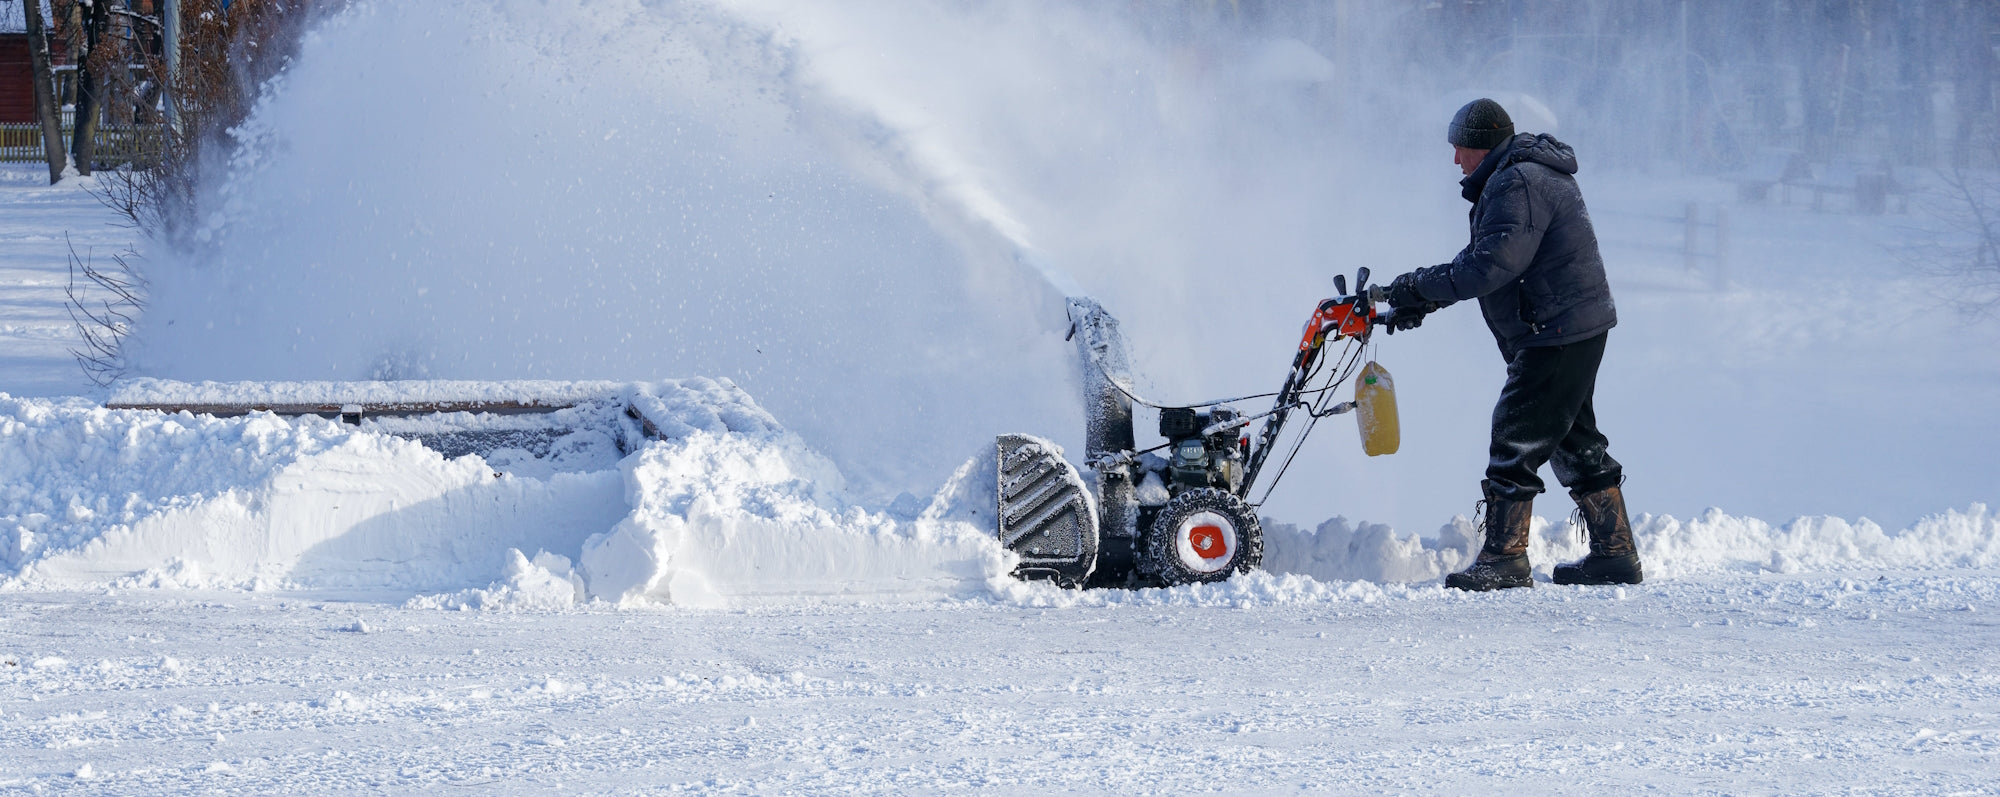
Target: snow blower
[1178,512]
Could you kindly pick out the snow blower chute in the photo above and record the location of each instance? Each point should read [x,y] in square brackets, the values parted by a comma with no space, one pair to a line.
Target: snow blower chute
[1178,512]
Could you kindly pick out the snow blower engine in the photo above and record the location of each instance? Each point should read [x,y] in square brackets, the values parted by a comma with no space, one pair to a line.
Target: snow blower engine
[1178,512]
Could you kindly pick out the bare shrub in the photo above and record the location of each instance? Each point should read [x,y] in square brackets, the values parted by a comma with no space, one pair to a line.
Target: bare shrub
[103,314]
[1967,254]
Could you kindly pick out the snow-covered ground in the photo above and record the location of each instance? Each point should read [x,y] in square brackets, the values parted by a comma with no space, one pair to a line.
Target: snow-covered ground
[824,271]
[42,228]
[1863,681]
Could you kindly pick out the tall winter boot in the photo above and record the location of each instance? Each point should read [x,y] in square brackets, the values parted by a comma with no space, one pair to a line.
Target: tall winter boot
[1503,559]
[1613,558]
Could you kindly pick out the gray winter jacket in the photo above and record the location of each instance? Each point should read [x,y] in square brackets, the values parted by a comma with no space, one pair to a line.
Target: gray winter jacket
[1533,262]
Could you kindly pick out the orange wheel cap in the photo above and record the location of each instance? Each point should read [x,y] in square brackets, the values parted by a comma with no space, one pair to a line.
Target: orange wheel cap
[1207,542]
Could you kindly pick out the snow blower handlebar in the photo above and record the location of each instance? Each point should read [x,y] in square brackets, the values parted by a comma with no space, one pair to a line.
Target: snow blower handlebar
[1345,316]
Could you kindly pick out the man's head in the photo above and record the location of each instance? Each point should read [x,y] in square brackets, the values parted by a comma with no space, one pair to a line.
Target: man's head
[1478,128]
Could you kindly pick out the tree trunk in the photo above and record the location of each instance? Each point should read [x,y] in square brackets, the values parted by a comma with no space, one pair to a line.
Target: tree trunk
[45,91]
[83,141]
[1972,83]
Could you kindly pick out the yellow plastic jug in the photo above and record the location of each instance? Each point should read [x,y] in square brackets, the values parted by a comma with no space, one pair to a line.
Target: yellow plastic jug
[1375,410]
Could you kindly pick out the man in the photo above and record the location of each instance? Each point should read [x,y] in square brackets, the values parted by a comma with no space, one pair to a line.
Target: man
[1533,265]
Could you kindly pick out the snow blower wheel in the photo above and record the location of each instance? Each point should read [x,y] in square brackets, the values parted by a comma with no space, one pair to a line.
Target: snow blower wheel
[1203,535]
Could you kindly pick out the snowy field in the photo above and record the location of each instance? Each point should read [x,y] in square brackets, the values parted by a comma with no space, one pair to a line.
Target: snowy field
[1857,682]
[813,273]
[41,228]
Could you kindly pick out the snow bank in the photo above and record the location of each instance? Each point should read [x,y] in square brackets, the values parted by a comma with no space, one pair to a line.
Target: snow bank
[715,522]
[545,582]
[1718,542]
[732,508]
[94,496]
[724,506]
[1339,551]
[1715,542]
[716,504]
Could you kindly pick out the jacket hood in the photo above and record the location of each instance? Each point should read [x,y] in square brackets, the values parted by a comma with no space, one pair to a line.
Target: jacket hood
[1544,149]
[1539,148]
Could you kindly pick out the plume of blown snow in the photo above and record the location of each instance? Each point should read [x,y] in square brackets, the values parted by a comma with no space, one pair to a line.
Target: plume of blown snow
[601,189]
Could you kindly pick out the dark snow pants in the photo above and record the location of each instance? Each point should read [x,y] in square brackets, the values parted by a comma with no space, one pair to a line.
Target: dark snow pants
[1545,415]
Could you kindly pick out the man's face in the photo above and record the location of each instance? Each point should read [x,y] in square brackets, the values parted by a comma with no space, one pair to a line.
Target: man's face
[1467,159]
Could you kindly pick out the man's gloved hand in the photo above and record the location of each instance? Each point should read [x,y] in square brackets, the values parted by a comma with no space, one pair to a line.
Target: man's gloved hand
[1402,292]
[1410,306]
[1404,318]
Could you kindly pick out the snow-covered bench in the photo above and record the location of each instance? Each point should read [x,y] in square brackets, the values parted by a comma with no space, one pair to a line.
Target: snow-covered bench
[1871,185]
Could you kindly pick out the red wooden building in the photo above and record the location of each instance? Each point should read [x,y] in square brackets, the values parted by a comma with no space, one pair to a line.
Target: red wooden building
[17,81]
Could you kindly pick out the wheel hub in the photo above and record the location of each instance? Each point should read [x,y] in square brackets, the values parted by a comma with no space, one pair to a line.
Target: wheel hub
[1206,542]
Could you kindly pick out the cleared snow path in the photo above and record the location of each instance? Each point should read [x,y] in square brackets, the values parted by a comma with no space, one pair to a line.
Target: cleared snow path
[1884,683]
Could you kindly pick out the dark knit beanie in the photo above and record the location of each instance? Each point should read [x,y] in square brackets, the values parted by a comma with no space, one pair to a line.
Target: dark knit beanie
[1481,124]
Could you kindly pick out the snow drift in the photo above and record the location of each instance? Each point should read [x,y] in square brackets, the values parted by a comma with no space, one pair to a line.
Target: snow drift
[725,508]
[692,539]
[95,496]
[1714,542]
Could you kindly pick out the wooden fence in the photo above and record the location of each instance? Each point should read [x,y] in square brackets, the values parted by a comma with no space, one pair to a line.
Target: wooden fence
[116,144]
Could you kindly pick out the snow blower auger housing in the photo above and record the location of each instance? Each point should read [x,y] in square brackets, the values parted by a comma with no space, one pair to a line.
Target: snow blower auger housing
[1178,512]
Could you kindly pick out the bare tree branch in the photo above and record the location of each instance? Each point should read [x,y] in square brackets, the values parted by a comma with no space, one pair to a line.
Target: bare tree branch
[102,322]
[1967,252]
